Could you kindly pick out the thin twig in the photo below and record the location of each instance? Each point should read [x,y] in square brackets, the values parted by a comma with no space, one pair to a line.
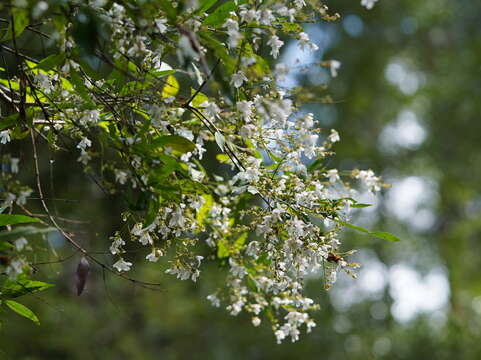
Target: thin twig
[69,238]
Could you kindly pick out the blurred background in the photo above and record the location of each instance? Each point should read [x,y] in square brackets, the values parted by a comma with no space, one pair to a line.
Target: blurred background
[407,105]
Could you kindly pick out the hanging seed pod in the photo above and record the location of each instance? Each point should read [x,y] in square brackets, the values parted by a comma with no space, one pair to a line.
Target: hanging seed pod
[83,270]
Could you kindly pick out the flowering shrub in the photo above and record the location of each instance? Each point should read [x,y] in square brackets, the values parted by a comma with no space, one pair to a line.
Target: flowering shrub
[137,89]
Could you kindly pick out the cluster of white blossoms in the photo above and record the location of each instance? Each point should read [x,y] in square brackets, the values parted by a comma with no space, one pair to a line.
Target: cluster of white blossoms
[272,214]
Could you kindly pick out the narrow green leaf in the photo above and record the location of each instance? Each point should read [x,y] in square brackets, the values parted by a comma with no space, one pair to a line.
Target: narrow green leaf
[22,310]
[379,234]
[8,219]
[359,205]
[385,236]
[163,73]
[176,142]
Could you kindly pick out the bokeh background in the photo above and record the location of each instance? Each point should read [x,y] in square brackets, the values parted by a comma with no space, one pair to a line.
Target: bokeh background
[407,104]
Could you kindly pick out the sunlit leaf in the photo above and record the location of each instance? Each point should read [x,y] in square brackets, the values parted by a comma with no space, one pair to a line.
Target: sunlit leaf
[171,87]
[9,219]
[22,310]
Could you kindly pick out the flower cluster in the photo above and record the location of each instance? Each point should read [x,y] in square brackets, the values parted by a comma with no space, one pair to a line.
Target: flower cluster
[272,214]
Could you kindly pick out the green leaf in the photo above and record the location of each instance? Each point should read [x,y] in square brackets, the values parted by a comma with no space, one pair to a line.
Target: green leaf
[204,210]
[222,249]
[290,27]
[205,5]
[223,158]
[163,73]
[241,240]
[170,11]
[13,289]
[171,87]
[359,205]
[52,62]
[220,51]
[315,165]
[5,245]
[79,85]
[385,236]
[22,310]
[176,142]
[199,99]
[9,121]
[20,22]
[379,234]
[219,15]
[8,219]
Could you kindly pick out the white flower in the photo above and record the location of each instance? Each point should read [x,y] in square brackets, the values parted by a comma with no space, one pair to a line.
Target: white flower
[84,143]
[15,268]
[368,4]
[145,238]
[14,164]
[122,265]
[4,137]
[196,175]
[305,41]
[210,109]
[116,245]
[284,11]
[90,116]
[266,17]
[9,199]
[154,255]
[245,108]
[369,179]
[84,157]
[333,176]
[300,3]
[238,78]
[334,136]
[237,270]
[120,176]
[214,300]
[252,249]
[256,321]
[275,43]
[233,32]
[22,197]
[280,335]
[161,25]
[334,65]
[332,278]
[20,243]
[249,15]
[43,81]
[177,218]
